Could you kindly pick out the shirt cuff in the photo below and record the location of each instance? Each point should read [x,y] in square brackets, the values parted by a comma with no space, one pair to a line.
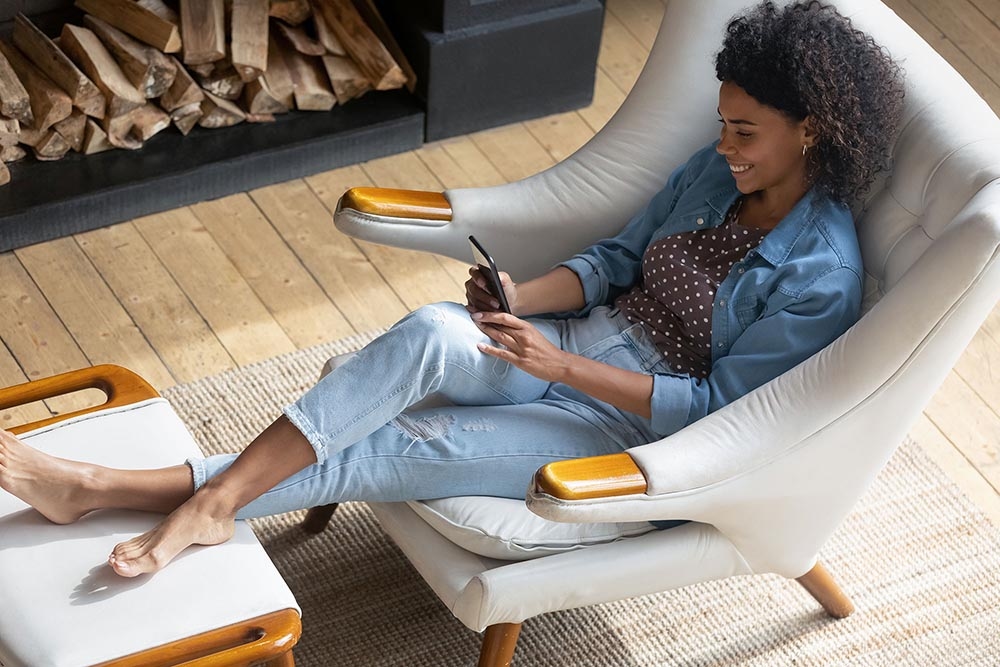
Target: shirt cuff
[670,404]
[590,279]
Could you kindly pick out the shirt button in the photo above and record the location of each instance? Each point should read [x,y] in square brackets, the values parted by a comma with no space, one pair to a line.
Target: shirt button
[722,303]
[700,221]
[741,270]
[721,345]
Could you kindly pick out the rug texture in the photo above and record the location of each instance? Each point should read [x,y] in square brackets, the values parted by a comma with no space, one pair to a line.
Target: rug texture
[920,562]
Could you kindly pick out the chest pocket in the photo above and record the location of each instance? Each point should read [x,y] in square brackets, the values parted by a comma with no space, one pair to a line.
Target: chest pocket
[748,309]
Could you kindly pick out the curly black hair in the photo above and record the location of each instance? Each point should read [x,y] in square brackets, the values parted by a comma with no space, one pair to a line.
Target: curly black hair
[807,60]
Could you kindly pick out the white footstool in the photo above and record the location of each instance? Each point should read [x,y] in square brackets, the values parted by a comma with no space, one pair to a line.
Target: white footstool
[60,603]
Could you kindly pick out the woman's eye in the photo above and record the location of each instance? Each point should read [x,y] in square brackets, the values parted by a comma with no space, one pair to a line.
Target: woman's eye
[744,134]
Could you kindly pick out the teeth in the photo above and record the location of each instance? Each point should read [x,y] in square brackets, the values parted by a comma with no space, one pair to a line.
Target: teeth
[739,169]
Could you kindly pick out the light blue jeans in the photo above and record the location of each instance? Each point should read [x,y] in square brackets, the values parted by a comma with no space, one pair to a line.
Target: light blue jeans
[502,426]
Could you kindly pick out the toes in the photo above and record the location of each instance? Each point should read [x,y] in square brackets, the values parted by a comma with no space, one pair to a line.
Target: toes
[133,564]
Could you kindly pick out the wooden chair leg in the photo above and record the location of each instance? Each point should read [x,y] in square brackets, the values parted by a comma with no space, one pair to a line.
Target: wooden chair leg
[318,518]
[499,644]
[821,586]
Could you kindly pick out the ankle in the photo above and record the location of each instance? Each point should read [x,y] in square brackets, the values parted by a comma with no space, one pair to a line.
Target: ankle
[218,501]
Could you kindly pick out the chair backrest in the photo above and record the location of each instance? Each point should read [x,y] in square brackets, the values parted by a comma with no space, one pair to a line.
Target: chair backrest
[796,453]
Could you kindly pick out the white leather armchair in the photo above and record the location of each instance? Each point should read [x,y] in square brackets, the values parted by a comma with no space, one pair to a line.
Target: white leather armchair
[766,480]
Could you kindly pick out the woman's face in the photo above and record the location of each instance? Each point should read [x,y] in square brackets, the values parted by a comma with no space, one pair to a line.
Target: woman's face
[762,145]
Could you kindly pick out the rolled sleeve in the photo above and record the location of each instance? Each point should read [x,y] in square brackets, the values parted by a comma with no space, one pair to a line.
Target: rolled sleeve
[595,286]
[670,405]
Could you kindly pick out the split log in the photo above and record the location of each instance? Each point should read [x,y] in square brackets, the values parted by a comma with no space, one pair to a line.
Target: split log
[260,118]
[89,53]
[49,104]
[362,44]
[278,78]
[72,129]
[4,174]
[186,117]
[326,35]
[31,136]
[205,69]
[14,100]
[47,57]
[311,86]
[300,41]
[259,99]
[51,147]
[369,12]
[292,12]
[219,112]
[183,91]
[348,81]
[134,19]
[95,139]
[203,24]
[223,81]
[12,153]
[148,69]
[119,131]
[160,9]
[148,121]
[248,41]
[10,128]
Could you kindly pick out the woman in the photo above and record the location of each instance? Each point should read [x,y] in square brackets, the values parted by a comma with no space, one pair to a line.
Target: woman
[744,265]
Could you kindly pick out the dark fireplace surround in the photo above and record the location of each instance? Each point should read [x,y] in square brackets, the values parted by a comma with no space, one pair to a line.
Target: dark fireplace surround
[479,64]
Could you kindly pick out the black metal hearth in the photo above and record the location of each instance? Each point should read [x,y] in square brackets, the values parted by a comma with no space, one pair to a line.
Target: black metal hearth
[479,63]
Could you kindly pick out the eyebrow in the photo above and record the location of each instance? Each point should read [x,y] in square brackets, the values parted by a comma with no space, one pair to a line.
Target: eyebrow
[736,121]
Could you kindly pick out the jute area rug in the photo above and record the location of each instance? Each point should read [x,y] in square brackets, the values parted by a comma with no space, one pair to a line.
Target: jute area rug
[921,563]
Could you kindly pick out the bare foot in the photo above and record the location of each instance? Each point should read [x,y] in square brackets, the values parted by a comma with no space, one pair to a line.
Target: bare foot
[59,489]
[198,521]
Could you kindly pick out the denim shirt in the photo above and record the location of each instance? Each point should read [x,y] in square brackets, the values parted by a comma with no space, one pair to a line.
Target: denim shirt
[789,298]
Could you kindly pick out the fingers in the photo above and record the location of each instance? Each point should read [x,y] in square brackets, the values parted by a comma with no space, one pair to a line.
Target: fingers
[477,296]
[499,318]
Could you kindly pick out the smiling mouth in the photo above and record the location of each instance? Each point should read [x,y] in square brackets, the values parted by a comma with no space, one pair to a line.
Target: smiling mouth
[739,168]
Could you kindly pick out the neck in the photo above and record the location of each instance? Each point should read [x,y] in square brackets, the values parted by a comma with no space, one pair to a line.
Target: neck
[764,209]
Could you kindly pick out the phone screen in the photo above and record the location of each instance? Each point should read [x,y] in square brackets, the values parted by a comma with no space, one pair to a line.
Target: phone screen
[489,270]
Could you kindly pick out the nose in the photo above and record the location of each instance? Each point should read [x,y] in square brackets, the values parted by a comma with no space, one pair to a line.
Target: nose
[725,146]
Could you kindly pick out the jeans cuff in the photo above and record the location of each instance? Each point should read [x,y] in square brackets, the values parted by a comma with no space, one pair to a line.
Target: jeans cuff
[304,424]
[197,472]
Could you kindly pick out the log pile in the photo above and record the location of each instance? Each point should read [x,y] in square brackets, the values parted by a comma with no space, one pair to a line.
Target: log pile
[135,68]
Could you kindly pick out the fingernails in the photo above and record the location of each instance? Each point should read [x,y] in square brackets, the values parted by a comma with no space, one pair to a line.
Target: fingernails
[494,303]
[477,316]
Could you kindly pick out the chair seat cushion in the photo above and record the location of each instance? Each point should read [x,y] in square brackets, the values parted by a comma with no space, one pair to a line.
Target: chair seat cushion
[506,529]
[62,606]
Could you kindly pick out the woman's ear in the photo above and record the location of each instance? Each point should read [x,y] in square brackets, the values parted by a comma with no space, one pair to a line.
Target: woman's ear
[809,136]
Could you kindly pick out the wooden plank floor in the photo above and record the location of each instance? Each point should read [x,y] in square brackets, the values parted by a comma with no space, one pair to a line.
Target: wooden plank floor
[188,293]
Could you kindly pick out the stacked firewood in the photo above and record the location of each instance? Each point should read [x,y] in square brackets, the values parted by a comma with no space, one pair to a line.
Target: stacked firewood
[136,67]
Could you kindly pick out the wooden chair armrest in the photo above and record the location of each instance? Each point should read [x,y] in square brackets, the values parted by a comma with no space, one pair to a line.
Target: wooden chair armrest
[120,385]
[591,477]
[397,203]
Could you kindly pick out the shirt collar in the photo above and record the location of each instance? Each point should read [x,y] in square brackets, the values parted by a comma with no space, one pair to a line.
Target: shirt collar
[778,243]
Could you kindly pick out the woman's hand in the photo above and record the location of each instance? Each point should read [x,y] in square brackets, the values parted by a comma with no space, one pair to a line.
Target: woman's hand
[524,346]
[478,297]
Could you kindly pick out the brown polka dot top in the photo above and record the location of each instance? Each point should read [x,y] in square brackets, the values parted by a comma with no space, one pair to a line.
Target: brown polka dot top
[674,297]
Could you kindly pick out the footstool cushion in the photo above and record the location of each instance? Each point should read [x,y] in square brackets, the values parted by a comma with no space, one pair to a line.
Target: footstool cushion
[63,606]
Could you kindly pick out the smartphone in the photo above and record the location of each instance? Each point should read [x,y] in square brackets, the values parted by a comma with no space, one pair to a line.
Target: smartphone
[489,270]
